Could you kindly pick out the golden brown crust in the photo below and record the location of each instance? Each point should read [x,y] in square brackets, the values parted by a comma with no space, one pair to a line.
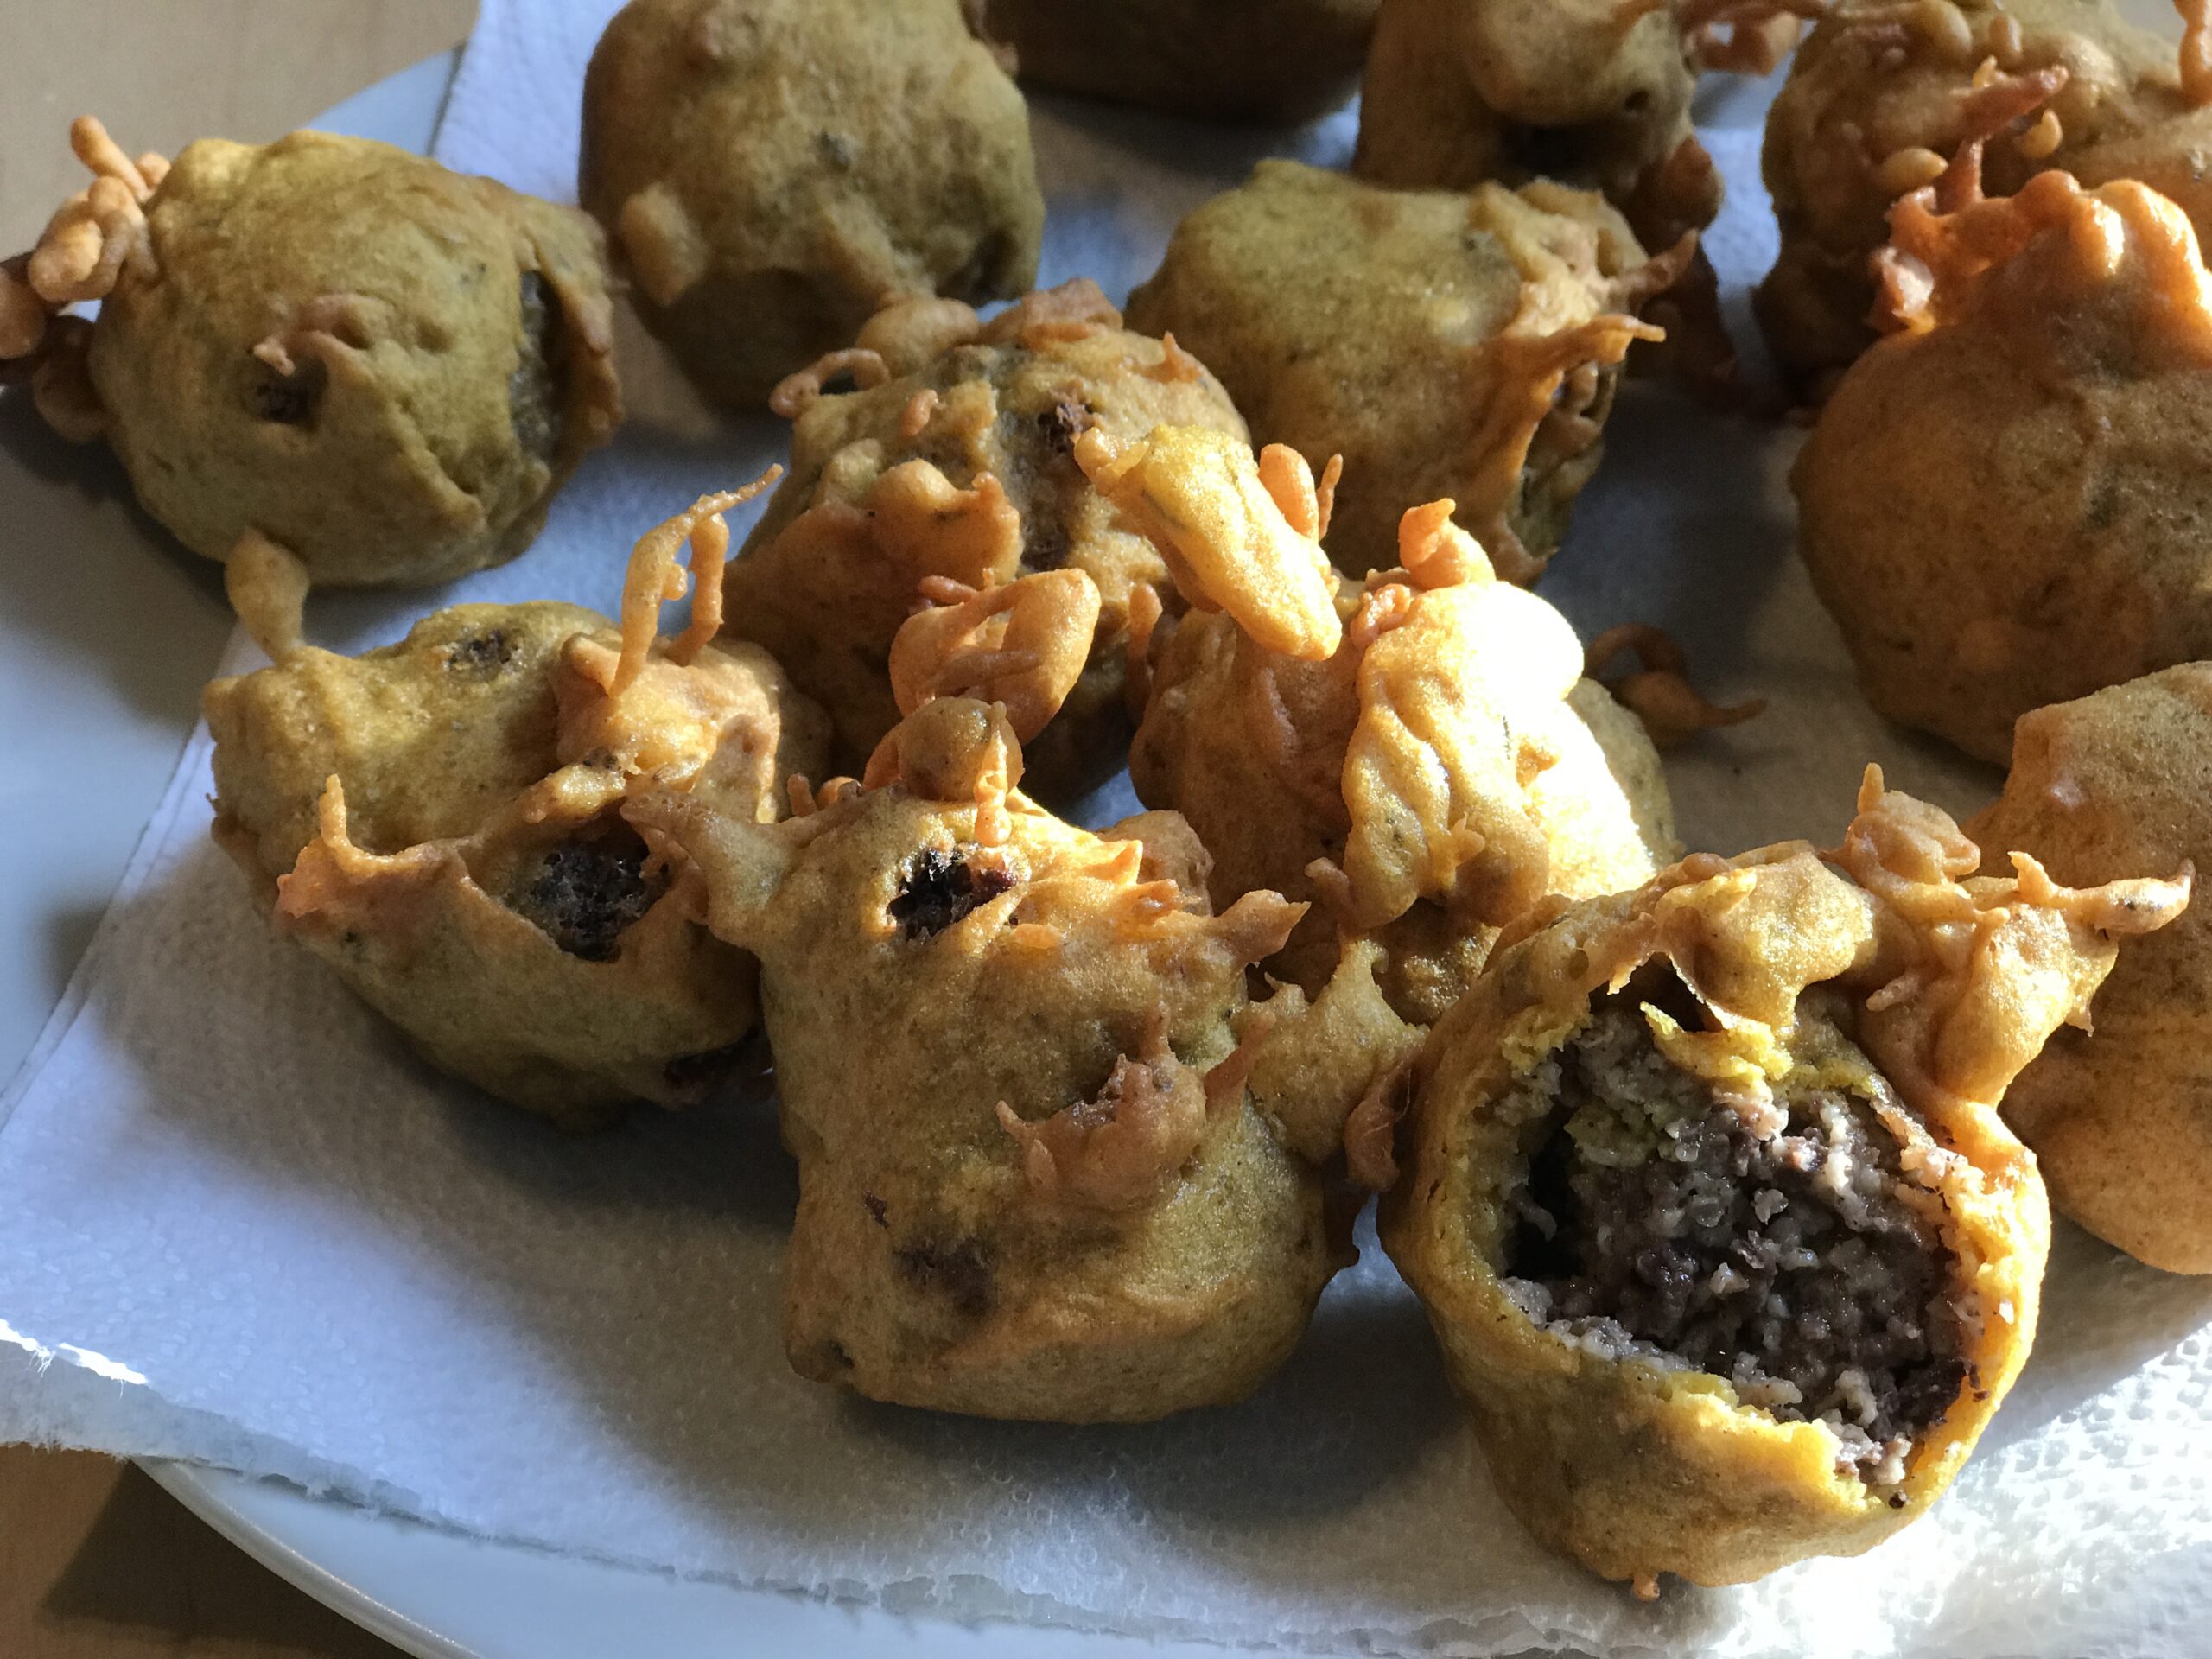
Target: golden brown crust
[772,169]
[1423,783]
[1637,1469]
[1041,1188]
[1445,344]
[2119,1116]
[438,821]
[312,375]
[1885,94]
[1997,503]
[961,469]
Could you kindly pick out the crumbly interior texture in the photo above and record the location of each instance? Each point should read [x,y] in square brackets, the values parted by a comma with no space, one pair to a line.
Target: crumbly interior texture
[586,892]
[1782,1246]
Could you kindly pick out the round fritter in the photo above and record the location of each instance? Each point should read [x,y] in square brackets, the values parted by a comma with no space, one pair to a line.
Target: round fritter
[1412,756]
[1883,93]
[2004,504]
[1444,345]
[439,821]
[1588,93]
[386,368]
[1038,1186]
[771,169]
[2122,1121]
[955,463]
[1233,60]
[1730,1254]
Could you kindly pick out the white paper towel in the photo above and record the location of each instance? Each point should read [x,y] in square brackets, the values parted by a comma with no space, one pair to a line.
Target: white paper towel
[239,1225]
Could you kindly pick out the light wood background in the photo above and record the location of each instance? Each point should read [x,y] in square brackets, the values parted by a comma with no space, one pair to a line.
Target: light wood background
[96,1561]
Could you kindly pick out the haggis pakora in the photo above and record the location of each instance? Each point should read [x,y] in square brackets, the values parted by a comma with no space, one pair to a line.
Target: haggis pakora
[1041,1187]
[2120,1117]
[385,368]
[1707,1197]
[1235,59]
[771,169]
[439,821]
[2001,505]
[1443,343]
[952,462]
[1418,757]
[1884,94]
[1593,93]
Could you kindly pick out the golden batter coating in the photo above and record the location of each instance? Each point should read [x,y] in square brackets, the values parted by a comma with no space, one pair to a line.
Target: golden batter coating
[2121,1121]
[1884,92]
[1706,1193]
[1220,59]
[1422,771]
[2001,505]
[953,463]
[1444,344]
[770,170]
[1038,1185]
[1594,94]
[385,368]
[439,821]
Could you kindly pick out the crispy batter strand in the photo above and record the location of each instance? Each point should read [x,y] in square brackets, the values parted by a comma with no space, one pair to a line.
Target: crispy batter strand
[797,393]
[1658,691]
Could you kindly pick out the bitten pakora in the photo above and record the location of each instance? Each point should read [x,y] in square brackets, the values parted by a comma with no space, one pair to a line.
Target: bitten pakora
[770,170]
[440,822]
[1706,1193]
[952,462]
[2120,1118]
[1594,94]
[1443,343]
[1885,93]
[383,367]
[1221,60]
[1035,1180]
[2001,504]
[1417,757]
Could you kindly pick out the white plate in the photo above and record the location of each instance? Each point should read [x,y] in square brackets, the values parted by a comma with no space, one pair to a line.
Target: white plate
[96,719]
[107,631]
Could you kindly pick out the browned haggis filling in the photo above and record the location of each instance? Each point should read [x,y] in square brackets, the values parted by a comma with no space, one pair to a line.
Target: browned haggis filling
[1786,1247]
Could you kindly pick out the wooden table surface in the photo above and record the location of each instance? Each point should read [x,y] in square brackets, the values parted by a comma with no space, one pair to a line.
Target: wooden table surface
[96,1561]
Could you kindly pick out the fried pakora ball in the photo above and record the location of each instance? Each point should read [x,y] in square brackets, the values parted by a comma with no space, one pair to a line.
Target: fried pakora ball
[386,368]
[1234,60]
[2121,1121]
[953,463]
[1419,757]
[439,821]
[2003,504]
[1884,92]
[1444,344]
[1593,93]
[1706,1194]
[1038,1186]
[771,169]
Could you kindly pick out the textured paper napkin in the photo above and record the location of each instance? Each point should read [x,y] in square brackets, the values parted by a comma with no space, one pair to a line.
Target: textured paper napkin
[239,1225]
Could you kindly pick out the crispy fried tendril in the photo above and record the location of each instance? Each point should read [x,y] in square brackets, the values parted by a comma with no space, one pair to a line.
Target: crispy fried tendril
[1744,37]
[909,331]
[1119,1150]
[1023,646]
[654,577]
[1941,250]
[1945,1022]
[1229,528]
[267,586]
[1657,690]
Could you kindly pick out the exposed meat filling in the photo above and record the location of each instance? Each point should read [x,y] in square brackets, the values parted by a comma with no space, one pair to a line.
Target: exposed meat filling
[531,395]
[936,889]
[585,893]
[1785,1247]
[481,655]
